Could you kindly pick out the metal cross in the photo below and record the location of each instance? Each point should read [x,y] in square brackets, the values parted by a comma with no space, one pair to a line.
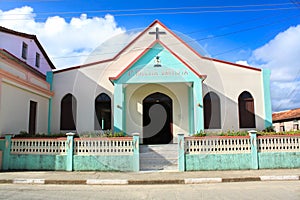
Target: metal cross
[157,32]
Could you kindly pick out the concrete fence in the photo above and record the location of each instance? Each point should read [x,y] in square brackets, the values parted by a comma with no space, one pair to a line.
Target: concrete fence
[229,153]
[78,154]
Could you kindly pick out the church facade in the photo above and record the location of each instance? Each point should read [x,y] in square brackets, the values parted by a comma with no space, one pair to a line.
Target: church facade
[159,86]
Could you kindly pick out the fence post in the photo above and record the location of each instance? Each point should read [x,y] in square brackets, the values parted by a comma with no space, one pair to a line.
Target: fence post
[6,152]
[70,147]
[181,156]
[136,152]
[254,149]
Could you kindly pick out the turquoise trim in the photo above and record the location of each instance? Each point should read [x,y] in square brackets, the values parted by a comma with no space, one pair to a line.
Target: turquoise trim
[181,157]
[198,103]
[49,115]
[191,111]
[266,73]
[70,150]
[172,70]
[49,79]
[124,110]
[254,153]
[118,108]
[6,153]
[136,153]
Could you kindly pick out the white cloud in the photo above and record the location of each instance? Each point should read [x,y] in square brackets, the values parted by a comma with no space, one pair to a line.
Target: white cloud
[242,62]
[67,43]
[281,55]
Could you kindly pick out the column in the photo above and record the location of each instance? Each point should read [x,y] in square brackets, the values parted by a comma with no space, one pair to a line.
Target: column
[198,106]
[49,79]
[70,151]
[119,108]
[181,156]
[191,111]
[266,73]
[6,152]
[254,150]
[136,152]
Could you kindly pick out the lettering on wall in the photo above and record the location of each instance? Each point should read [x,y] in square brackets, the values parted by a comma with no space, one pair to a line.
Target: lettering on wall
[148,72]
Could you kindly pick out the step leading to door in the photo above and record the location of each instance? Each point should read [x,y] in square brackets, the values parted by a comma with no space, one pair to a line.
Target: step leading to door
[159,157]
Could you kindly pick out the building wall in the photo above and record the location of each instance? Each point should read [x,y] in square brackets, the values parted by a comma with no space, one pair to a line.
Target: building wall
[226,80]
[18,86]
[232,81]
[136,93]
[14,112]
[85,85]
[13,44]
[292,125]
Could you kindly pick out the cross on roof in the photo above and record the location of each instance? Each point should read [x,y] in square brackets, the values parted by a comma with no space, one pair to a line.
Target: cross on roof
[157,32]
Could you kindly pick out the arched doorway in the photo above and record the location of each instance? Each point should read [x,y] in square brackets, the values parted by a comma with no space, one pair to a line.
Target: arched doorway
[68,112]
[246,110]
[157,119]
[212,111]
[102,112]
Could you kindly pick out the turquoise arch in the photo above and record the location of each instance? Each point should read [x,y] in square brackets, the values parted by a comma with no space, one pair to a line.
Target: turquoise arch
[172,70]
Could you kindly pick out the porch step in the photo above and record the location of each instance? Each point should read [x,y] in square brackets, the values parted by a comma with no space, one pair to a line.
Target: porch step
[159,157]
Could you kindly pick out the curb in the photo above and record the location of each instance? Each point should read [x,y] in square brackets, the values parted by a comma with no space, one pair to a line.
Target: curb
[147,182]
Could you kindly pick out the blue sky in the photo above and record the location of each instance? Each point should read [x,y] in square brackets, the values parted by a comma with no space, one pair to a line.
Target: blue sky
[260,33]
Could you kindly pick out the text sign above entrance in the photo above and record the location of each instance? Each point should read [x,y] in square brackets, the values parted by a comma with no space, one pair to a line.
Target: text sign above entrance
[138,72]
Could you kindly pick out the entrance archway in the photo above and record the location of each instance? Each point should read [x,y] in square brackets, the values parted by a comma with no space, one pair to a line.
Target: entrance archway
[157,119]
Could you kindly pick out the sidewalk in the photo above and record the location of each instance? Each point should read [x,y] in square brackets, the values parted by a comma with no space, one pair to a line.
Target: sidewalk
[144,177]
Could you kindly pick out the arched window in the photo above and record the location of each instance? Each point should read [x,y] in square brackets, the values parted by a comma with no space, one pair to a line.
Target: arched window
[68,112]
[246,110]
[212,111]
[102,112]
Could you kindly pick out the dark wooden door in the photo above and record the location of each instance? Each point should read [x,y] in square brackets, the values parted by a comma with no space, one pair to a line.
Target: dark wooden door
[32,117]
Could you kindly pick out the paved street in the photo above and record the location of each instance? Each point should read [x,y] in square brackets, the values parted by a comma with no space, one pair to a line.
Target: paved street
[248,190]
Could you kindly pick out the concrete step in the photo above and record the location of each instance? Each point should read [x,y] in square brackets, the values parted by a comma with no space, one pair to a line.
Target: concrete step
[159,157]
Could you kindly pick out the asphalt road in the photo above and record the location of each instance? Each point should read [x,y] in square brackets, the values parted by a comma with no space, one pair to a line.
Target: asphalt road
[287,190]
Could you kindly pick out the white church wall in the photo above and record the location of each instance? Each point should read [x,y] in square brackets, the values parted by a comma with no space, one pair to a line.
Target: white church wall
[85,84]
[232,81]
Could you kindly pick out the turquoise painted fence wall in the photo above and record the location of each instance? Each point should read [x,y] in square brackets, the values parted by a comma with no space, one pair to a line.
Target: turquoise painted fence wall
[37,162]
[103,163]
[35,154]
[238,153]
[279,160]
[218,162]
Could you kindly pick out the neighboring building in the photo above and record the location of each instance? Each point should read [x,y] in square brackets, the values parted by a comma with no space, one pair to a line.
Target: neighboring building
[286,120]
[24,92]
[159,86]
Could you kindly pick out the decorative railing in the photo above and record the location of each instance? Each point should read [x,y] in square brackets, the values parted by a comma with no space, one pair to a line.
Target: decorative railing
[217,145]
[289,143]
[49,146]
[103,146]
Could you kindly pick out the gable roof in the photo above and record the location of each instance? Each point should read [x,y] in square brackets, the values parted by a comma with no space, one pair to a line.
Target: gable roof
[286,115]
[173,34]
[146,50]
[32,37]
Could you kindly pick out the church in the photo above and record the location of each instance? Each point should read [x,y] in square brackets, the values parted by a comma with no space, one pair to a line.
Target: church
[157,86]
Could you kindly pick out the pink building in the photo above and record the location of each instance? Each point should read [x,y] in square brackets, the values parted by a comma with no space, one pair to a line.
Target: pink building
[24,91]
